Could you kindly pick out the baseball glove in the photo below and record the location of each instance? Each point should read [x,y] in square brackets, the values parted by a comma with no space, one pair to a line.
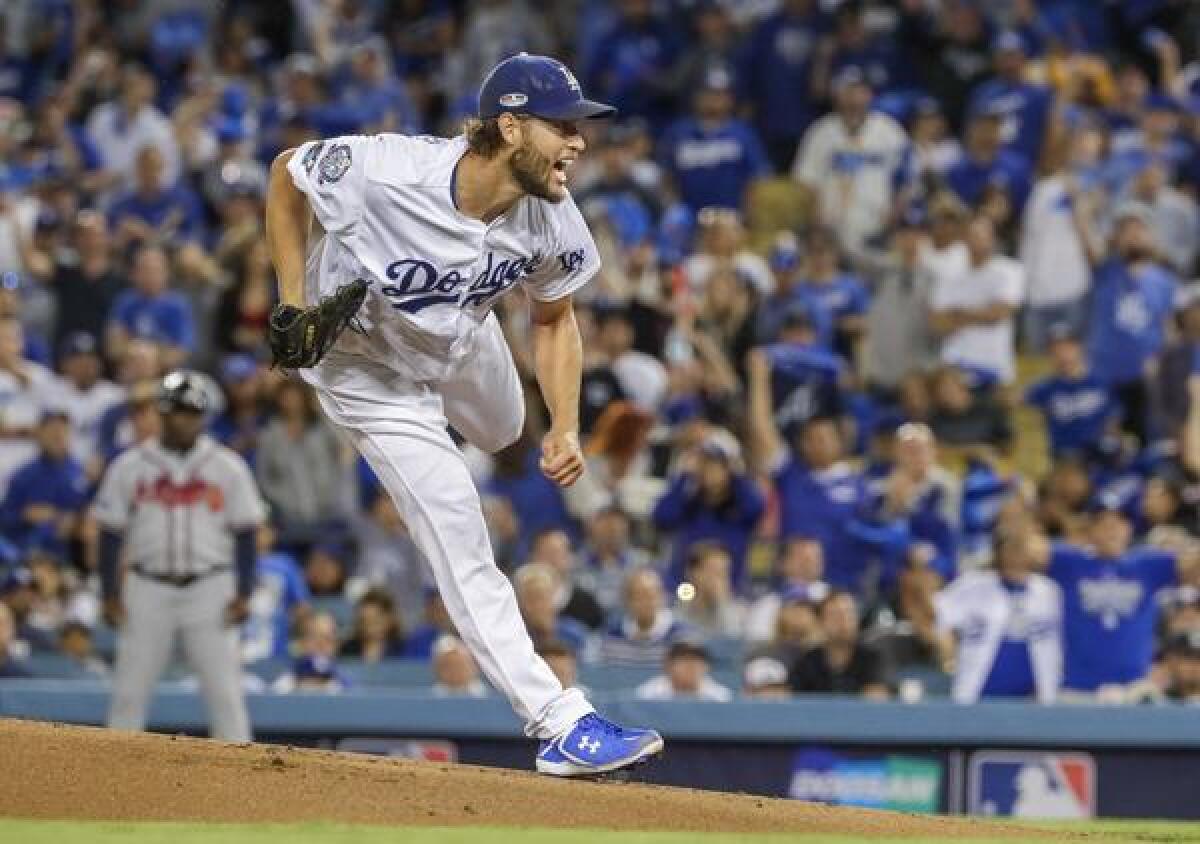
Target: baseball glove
[300,337]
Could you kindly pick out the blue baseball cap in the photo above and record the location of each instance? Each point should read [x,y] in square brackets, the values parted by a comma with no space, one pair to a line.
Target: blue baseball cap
[539,86]
[78,343]
[1109,501]
[17,578]
[238,367]
[1008,41]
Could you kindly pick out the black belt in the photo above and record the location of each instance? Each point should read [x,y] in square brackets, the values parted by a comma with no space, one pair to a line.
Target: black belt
[179,580]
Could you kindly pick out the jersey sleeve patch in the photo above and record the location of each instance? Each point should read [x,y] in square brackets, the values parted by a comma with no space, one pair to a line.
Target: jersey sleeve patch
[334,164]
[310,157]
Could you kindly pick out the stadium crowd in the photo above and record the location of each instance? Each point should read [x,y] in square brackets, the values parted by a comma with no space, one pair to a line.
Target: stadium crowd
[892,378]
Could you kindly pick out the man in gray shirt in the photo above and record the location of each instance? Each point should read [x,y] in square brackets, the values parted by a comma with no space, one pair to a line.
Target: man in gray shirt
[897,338]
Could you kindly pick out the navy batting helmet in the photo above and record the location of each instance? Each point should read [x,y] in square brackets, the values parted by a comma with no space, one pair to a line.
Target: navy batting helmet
[182,390]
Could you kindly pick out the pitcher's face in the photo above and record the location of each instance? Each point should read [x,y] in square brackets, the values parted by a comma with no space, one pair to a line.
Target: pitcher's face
[547,151]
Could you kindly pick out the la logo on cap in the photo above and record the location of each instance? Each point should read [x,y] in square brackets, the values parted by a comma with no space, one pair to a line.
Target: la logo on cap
[572,82]
[513,100]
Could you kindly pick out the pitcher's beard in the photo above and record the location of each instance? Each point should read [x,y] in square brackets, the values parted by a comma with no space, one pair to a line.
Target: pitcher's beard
[531,171]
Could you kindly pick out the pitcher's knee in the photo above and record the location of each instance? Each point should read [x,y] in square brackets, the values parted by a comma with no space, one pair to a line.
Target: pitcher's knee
[503,434]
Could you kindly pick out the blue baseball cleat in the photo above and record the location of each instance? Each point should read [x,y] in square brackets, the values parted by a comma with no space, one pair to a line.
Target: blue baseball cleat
[596,746]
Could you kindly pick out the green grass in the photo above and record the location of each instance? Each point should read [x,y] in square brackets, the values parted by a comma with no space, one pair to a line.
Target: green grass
[62,832]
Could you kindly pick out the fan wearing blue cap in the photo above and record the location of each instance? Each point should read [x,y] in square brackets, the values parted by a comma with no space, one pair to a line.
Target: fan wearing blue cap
[1024,106]
[418,239]
[987,160]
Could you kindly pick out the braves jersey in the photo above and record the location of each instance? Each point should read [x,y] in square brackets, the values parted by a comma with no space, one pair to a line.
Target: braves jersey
[386,205]
[178,511]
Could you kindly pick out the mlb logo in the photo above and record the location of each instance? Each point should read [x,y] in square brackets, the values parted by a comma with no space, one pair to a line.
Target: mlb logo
[1032,785]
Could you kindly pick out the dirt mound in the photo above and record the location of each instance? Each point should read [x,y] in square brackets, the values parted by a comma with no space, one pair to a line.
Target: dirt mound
[82,773]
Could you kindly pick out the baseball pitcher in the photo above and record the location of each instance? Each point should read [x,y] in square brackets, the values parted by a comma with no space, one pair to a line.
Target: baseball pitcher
[185,510]
[386,309]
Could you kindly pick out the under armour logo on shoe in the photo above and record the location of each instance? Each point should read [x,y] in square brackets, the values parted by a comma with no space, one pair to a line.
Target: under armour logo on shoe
[590,745]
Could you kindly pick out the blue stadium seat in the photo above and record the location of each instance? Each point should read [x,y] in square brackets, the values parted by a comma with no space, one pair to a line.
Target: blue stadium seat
[56,666]
[104,641]
[390,673]
[268,670]
[614,678]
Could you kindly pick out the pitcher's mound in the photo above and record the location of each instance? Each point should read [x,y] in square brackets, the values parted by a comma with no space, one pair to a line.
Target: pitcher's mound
[83,773]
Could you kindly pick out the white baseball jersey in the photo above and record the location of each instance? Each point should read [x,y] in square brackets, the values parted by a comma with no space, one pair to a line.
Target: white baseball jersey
[982,613]
[86,409]
[386,204]
[179,511]
[22,402]
[853,174]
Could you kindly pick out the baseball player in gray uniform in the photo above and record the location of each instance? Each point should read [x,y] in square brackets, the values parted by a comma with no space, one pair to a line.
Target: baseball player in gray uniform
[436,230]
[185,511]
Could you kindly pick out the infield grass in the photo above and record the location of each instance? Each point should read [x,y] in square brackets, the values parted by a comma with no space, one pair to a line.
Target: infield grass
[61,832]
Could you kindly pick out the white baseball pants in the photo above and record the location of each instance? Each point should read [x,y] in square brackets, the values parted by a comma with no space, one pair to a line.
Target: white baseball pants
[399,426]
[155,613]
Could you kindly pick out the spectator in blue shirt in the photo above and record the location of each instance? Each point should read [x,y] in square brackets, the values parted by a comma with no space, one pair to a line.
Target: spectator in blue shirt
[1077,407]
[818,492]
[1132,298]
[839,293]
[804,376]
[712,156]
[245,415]
[376,93]
[1025,107]
[150,311]
[46,496]
[1109,601]
[535,499]
[280,595]
[61,150]
[775,69]
[987,163]
[851,44]
[1155,138]
[790,298]
[155,210]
[909,517]
[712,498]
[623,178]
[630,62]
